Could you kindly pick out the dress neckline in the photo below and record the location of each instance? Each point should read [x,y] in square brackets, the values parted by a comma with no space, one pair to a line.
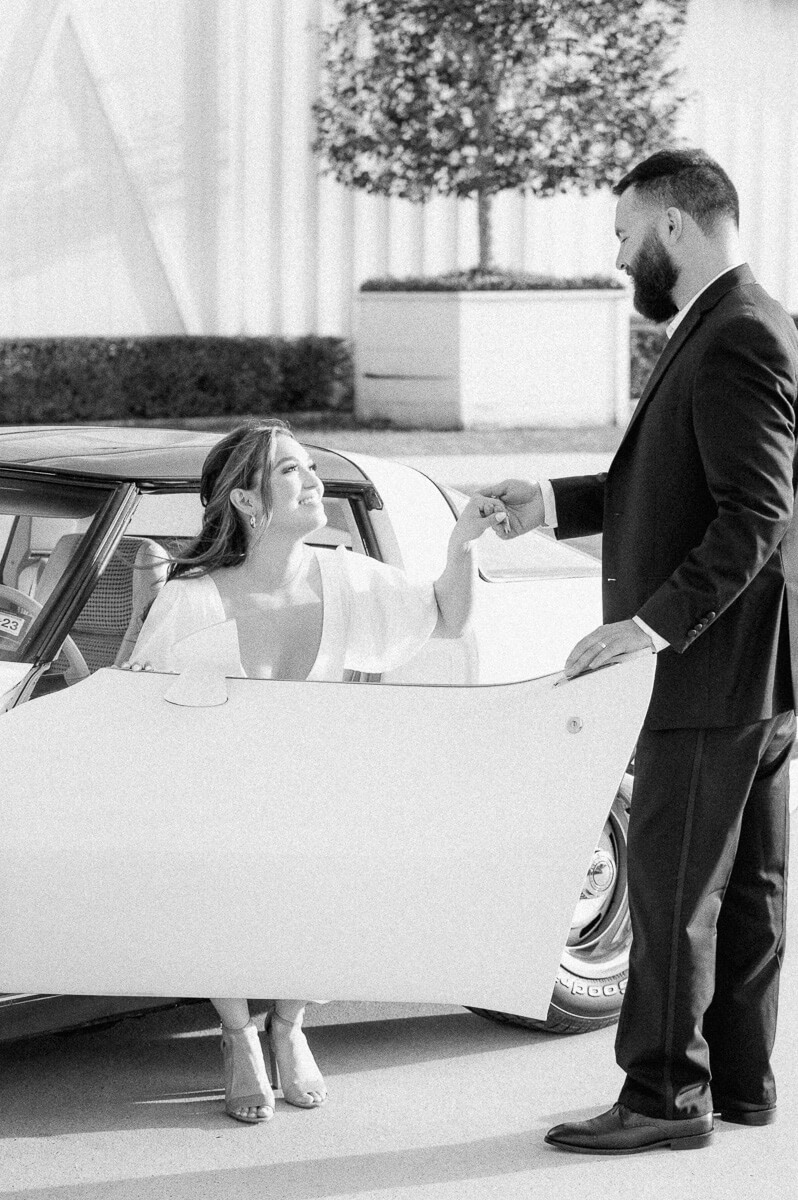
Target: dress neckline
[322,654]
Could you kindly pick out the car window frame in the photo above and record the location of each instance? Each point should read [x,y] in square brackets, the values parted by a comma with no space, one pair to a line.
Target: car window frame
[41,643]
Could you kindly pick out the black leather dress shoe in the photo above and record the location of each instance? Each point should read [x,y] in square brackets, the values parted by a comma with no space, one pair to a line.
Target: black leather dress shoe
[621,1131]
[742,1116]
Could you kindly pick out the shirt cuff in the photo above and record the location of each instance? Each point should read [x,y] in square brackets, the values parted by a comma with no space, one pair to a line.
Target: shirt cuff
[659,642]
[549,503]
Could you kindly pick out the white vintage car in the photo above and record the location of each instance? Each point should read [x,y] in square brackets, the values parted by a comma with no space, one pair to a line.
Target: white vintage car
[86,515]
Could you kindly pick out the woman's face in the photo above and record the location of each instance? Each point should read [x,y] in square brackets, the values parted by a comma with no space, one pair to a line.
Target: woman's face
[296,490]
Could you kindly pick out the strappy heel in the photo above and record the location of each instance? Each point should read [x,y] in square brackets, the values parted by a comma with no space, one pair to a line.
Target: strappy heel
[245,1082]
[287,1066]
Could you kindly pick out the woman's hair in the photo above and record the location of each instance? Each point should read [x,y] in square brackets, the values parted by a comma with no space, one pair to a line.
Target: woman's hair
[234,462]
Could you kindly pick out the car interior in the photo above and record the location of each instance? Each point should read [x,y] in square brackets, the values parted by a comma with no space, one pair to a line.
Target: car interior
[37,545]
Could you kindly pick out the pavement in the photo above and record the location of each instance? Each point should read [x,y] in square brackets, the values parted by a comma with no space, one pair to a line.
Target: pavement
[425,1104]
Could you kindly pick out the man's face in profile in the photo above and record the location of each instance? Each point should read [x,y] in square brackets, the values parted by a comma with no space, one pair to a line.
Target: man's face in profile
[645,259]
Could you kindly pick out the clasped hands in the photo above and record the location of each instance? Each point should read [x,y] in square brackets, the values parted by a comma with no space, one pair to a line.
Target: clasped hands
[524,509]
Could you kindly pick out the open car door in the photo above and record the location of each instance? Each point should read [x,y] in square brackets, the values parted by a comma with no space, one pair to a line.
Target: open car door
[268,838]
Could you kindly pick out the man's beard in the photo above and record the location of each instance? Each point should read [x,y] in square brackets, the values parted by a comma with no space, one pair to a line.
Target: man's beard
[654,276]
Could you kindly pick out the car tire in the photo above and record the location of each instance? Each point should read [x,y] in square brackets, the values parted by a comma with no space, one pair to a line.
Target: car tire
[594,967]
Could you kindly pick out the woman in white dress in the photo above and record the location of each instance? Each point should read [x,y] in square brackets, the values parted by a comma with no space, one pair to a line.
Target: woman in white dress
[301,615]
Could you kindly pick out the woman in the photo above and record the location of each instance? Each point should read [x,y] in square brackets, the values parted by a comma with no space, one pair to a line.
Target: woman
[299,615]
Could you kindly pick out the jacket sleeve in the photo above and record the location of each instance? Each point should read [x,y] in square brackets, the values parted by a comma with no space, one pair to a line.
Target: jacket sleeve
[744,422]
[580,505]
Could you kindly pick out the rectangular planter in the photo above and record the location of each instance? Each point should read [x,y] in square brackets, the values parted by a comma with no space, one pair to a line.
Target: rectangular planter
[454,360]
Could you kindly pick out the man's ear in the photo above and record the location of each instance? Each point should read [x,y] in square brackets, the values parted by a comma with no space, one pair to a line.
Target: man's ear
[672,224]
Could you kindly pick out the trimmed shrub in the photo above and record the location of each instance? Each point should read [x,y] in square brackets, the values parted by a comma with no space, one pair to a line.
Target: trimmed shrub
[648,341]
[477,280]
[105,379]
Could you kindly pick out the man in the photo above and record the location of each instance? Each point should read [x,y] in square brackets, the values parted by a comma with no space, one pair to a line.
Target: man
[700,564]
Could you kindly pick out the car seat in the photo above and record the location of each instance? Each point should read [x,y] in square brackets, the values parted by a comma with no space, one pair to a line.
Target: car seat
[106,629]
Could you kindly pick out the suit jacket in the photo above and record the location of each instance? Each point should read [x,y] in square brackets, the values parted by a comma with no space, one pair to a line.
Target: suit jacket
[696,511]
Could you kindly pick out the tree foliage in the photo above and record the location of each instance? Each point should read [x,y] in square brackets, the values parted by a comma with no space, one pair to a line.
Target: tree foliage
[469,97]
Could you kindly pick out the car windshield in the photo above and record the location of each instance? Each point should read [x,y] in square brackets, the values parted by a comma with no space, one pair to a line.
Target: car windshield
[42,525]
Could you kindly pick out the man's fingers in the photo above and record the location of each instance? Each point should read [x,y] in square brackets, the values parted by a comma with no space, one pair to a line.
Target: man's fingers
[495,489]
[590,653]
[608,643]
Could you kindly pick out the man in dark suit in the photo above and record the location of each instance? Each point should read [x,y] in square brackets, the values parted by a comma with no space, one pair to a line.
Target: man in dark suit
[700,564]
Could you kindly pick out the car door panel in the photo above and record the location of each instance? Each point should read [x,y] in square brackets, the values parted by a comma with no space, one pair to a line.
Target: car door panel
[373,843]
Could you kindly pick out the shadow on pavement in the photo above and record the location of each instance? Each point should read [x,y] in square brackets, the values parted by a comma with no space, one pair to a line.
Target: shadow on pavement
[164,1070]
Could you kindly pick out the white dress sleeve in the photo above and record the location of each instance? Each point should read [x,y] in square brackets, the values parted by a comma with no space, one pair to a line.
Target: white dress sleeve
[185,628]
[173,615]
[164,625]
[390,618]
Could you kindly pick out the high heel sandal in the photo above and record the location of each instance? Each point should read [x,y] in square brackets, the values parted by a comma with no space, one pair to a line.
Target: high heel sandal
[245,1071]
[287,1065]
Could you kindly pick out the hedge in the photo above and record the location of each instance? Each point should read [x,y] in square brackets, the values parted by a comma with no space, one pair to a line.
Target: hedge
[478,280]
[110,379]
[104,379]
[647,341]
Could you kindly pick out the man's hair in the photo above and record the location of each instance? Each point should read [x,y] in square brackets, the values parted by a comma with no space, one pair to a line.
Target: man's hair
[685,179]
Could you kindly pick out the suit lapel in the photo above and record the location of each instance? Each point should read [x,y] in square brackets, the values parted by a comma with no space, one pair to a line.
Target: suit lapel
[706,301]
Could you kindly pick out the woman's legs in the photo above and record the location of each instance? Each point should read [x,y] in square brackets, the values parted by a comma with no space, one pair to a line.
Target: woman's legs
[234,1014]
[300,1079]
[248,1096]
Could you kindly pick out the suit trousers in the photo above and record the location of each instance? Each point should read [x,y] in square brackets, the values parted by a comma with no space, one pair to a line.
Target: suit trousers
[708,845]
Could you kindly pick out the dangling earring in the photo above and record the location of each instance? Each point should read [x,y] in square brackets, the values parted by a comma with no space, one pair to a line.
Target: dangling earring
[252,521]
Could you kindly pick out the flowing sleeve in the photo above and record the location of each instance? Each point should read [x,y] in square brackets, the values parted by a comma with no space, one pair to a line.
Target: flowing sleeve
[164,625]
[390,617]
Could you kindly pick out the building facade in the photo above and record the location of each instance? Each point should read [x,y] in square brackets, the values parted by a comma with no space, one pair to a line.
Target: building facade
[157,175]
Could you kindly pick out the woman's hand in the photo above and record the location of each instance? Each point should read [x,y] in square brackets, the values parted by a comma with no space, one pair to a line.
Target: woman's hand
[129,666]
[456,588]
[481,513]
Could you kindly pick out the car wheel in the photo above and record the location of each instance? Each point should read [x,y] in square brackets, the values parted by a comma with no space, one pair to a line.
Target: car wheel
[595,964]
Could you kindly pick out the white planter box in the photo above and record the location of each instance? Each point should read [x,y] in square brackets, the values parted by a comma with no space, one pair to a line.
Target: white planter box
[452,360]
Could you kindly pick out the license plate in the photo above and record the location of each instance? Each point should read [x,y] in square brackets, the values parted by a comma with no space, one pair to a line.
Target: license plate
[11,624]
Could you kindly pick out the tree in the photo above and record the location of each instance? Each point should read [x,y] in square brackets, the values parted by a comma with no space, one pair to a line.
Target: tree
[470,97]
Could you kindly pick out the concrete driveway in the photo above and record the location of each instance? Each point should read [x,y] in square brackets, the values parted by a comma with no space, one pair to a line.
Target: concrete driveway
[429,1104]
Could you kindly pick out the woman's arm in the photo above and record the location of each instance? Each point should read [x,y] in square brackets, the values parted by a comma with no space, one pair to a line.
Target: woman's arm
[455,590]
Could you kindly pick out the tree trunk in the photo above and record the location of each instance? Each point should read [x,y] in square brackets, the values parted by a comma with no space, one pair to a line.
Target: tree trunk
[484,201]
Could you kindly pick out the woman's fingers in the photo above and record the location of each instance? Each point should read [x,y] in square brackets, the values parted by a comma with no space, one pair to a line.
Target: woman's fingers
[493,511]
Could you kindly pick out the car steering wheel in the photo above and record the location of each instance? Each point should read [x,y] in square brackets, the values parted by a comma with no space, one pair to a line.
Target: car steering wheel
[28,607]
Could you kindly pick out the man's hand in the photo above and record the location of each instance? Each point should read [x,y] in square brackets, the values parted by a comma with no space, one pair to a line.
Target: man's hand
[523,503]
[608,643]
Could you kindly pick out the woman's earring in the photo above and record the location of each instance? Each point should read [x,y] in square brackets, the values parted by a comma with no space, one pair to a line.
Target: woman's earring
[252,521]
